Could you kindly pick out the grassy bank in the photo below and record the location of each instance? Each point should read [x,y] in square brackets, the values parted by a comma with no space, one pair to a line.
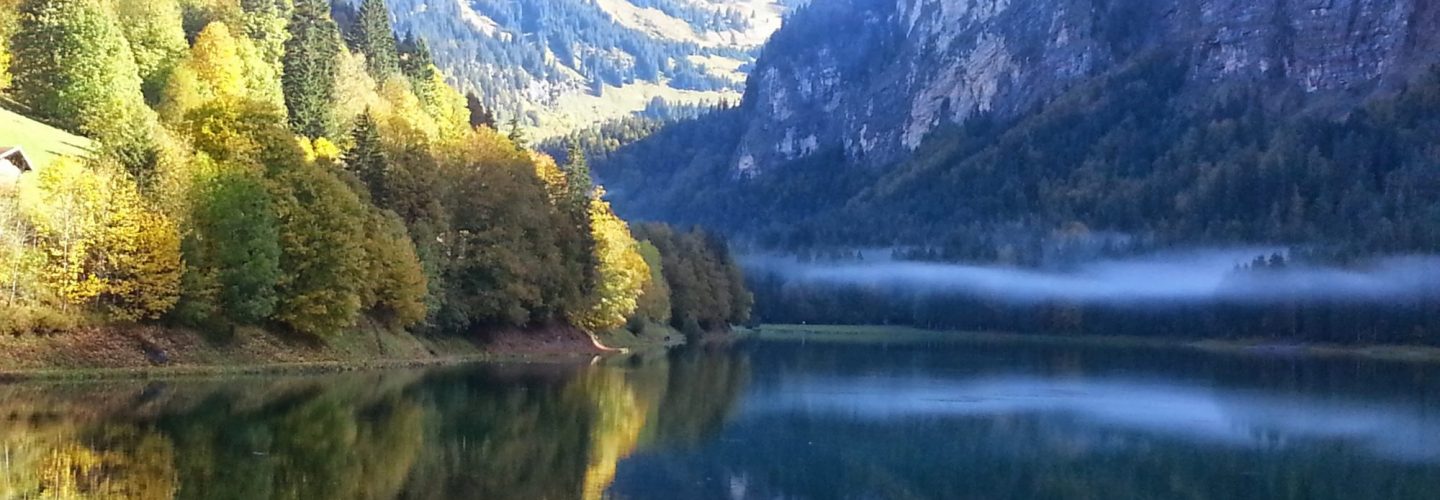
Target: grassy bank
[154,352]
[900,334]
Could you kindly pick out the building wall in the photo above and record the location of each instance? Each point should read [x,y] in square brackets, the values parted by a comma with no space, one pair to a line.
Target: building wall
[9,173]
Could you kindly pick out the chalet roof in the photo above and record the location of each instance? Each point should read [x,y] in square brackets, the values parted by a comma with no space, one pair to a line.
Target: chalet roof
[17,157]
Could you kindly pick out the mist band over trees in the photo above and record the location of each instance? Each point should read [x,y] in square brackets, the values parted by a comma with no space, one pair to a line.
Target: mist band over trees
[1002,150]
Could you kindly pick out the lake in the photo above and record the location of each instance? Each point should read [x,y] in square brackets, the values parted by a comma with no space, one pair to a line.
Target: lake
[939,418]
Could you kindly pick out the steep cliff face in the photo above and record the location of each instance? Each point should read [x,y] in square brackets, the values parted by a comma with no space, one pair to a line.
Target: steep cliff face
[874,77]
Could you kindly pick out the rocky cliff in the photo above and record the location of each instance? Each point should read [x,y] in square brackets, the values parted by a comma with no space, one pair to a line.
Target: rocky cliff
[874,77]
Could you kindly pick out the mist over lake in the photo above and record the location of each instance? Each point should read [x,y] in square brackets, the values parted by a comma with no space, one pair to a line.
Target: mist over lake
[1174,277]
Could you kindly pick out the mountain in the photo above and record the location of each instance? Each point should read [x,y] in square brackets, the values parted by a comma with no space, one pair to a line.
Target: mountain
[942,121]
[562,64]
[923,64]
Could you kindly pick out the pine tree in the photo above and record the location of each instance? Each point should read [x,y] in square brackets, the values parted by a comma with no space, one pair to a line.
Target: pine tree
[415,58]
[265,22]
[480,116]
[517,134]
[577,173]
[309,67]
[375,37]
[366,160]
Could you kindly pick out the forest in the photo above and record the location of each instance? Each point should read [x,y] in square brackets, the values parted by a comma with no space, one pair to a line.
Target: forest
[545,44]
[1135,156]
[260,163]
[1127,153]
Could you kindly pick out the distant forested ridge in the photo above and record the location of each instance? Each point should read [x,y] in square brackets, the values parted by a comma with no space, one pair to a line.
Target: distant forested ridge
[260,164]
[981,136]
[1149,140]
[542,60]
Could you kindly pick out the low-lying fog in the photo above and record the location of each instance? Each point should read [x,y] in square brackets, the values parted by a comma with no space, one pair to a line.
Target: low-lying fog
[1186,276]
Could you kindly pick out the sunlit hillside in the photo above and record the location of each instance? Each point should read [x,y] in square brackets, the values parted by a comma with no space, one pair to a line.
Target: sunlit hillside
[558,65]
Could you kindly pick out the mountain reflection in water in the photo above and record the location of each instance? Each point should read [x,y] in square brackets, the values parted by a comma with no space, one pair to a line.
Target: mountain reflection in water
[1235,418]
[761,420]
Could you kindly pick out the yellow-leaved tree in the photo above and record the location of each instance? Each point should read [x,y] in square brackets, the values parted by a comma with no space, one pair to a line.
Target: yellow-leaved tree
[220,66]
[100,243]
[64,203]
[621,272]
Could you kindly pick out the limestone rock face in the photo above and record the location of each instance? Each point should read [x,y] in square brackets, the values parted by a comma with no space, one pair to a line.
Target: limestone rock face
[874,77]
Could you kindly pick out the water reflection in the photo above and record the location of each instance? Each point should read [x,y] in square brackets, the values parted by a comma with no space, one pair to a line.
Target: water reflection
[767,420]
[1010,420]
[535,432]
[1199,414]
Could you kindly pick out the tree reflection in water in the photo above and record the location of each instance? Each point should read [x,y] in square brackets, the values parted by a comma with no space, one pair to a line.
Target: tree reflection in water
[494,431]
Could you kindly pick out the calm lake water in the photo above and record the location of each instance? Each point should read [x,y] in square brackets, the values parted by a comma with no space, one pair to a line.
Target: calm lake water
[763,419]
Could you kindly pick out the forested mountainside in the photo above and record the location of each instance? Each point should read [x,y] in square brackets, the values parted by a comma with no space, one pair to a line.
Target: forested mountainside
[559,65]
[256,163]
[973,125]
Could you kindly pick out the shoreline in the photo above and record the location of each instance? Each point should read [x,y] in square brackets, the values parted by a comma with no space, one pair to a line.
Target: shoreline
[1252,347]
[158,353]
[179,372]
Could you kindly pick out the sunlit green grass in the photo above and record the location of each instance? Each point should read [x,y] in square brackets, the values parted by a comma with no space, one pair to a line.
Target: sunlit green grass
[42,143]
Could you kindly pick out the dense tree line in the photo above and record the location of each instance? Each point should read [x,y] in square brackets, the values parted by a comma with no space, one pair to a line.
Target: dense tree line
[707,288]
[261,165]
[726,19]
[1411,321]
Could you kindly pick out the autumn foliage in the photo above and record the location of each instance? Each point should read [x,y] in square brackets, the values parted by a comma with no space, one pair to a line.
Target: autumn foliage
[257,169]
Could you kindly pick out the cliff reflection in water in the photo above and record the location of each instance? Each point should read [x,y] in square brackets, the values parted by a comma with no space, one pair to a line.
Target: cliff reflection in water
[535,432]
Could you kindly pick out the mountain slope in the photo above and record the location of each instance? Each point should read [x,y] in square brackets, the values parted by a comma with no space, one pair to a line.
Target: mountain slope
[563,64]
[976,124]
[921,64]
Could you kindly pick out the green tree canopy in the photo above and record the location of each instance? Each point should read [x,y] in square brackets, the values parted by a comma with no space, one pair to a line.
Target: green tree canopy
[309,67]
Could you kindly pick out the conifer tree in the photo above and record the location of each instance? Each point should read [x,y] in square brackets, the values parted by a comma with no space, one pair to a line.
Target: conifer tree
[480,116]
[366,159]
[376,39]
[265,23]
[415,57]
[577,173]
[517,134]
[309,67]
